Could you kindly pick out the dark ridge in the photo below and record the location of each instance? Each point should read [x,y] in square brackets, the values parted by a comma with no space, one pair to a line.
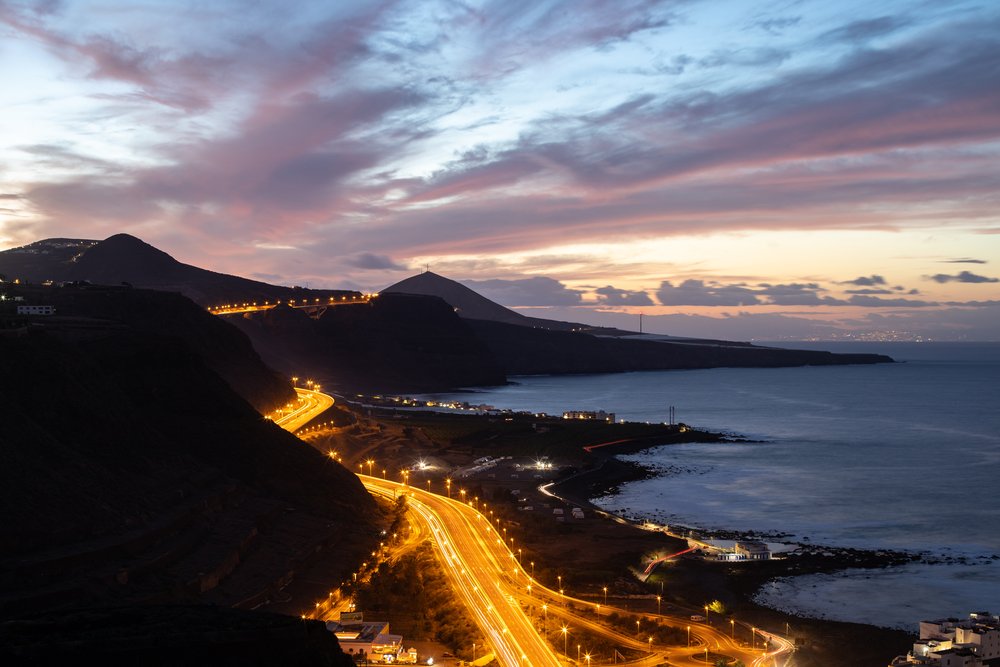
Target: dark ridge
[89,311]
[123,258]
[472,305]
[395,342]
[532,351]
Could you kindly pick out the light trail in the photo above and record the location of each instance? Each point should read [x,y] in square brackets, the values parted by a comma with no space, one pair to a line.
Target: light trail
[490,581]
[311,405]
[484,582]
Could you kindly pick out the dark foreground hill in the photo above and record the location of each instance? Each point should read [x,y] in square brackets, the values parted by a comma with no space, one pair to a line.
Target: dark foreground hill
[134,474]
[92,311]
[169,635]
[124,258]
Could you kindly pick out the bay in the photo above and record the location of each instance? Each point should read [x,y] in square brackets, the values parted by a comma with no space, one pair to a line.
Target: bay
[903,456]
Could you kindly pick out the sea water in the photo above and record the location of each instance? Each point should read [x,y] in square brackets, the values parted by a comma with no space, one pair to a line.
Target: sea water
[902,456]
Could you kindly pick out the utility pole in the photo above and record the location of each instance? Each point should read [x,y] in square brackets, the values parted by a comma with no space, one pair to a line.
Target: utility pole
[640,322]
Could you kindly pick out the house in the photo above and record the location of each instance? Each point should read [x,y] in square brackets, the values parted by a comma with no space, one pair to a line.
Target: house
[953,642]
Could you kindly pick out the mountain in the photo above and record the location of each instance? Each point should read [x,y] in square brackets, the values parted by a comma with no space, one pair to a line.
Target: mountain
[125,259]
[533,346]
[395,342]
[467,303]
[474,306]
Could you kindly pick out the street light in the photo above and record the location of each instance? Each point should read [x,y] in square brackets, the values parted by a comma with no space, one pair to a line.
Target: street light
[732,629]
[370,463]
[637,626]
[605,596]
[659,598]
[689,636]
[565,632]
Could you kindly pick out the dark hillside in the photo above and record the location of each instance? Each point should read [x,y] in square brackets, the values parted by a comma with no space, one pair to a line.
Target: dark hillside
[91,311]
[133,473]
[396,342]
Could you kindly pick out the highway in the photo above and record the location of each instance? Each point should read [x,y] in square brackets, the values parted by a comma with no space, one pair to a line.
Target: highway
[253,307]
[485,580]
[487,577]
[310,405]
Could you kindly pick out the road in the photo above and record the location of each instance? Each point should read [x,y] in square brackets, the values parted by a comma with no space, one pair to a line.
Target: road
[482,575]
[487,577]
[310,405]
[238,308]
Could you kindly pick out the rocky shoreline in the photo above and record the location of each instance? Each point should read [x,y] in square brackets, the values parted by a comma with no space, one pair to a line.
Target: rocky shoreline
[695,580]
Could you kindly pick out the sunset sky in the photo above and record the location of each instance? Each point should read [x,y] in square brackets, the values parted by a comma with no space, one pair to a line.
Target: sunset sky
[731,168]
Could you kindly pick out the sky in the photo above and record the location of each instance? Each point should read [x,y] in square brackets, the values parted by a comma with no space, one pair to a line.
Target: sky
[755,170]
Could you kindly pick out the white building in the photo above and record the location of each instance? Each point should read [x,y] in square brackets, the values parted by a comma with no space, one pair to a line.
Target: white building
[954,642]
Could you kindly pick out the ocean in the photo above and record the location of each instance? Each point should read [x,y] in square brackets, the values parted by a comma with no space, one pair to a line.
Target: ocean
[902,456]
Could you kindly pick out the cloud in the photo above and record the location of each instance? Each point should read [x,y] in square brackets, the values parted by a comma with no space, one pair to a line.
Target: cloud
[964,260]
[698,293]
[867,29]
[875,302]
[535,291]
[371,261]
[612,296]
[869,290]
[866,281]
[777,25]
[797,294]
[963,277]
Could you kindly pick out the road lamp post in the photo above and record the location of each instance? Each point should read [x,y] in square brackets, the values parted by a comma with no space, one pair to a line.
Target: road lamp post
[565,632]
[659,599]
[732,629]
[370,463]
[689,636]
[605,596]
